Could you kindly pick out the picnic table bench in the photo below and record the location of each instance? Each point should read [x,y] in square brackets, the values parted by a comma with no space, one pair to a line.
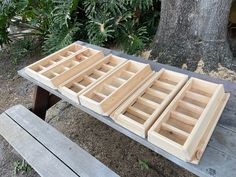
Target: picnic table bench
[219,158]
[47,150]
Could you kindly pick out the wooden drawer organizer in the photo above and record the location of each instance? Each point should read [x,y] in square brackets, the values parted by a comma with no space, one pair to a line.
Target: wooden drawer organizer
[52,60]
[62,65]
[185,127]
[110,92]
[82,81]
[140,110]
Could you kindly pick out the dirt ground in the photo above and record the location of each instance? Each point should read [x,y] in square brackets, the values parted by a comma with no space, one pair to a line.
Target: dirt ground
[115,150]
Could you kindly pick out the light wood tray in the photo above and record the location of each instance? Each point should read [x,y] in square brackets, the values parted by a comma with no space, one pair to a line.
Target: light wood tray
[110,92]
[185,127]
[75,86]
[152,105]
[60,66]
[140,110]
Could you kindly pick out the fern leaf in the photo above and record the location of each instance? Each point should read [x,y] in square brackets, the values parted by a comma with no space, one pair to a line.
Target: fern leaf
[59,38]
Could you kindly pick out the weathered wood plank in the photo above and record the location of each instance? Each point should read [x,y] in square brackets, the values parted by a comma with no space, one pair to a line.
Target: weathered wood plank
[80,161]
[40,102]
[41,159]
[224,140]
[216,163]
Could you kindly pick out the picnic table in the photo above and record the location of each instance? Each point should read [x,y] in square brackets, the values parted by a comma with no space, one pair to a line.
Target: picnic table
[219,158]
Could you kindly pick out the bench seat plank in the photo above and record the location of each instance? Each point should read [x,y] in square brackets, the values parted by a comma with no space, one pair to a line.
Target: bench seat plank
[42,160]
[80,161]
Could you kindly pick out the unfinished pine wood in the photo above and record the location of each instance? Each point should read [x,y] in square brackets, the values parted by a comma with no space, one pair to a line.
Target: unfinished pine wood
[109,93]
[184,128]
[209,130]
[140,110]
[53,59]
[219,151]
[58,72]
[75,86]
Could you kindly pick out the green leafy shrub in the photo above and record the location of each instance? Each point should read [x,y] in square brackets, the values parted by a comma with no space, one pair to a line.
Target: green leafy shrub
[128,24]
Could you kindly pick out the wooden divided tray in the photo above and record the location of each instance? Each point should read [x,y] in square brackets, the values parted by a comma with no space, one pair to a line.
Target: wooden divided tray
[186,125]
[60,66]
[82,81]
[110,92]
[140,110]
[174,114]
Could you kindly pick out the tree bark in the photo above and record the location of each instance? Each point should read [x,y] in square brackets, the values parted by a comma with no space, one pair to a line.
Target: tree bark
[190,30]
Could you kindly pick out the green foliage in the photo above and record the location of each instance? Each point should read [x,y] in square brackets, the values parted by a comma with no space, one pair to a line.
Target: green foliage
[59,38]
[61,12]
[123,23]
[140,4]
[144,164]
[21,167]
[8,10]
[129,24]
[133,38]
[100,29]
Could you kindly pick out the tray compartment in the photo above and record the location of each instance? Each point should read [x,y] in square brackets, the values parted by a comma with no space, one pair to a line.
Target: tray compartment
[54,59]
[140,111]
[106,95]
[75,86]
[75,62]
[180,128]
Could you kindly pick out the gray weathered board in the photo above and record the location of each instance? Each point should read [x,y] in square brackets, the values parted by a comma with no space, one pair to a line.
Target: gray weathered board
[48,151]
[41,159]
[219,158]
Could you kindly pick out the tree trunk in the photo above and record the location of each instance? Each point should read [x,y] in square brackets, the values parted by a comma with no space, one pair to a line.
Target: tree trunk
[190,30]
